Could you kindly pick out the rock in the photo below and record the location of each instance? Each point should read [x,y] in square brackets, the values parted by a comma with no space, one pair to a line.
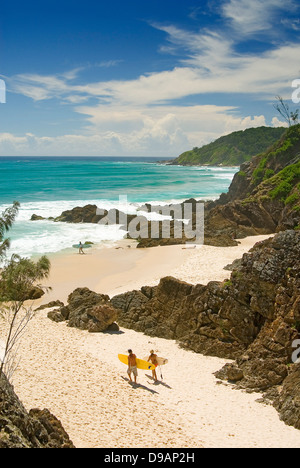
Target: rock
[253,318]
[234,265]
[56,316]
[230,372]
[263,198]
[85,214]
[99,318]
[91,214]
[50,305]
[35,293]
[114,327]
[20,429]
[86,310]
[288,400]
[35,217]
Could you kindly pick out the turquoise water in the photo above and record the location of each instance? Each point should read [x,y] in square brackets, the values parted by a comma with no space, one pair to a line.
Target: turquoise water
[51,179]
[49,185]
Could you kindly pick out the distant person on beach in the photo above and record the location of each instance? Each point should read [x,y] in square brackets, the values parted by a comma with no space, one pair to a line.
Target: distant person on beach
[80,248]
[153,358]
[132,367]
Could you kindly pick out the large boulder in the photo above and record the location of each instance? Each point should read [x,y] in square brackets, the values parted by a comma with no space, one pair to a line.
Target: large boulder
[86,310]
[20,429]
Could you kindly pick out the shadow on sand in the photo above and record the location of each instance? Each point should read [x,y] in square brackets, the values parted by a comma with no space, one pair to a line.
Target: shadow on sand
[138,386]
[157,382]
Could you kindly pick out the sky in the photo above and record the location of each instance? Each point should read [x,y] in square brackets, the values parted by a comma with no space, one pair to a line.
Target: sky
[132,78]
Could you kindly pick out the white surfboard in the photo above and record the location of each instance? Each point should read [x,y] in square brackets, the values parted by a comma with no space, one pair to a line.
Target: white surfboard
[160,361]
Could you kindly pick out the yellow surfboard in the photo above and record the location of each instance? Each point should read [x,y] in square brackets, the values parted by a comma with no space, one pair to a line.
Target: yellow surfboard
[140,363]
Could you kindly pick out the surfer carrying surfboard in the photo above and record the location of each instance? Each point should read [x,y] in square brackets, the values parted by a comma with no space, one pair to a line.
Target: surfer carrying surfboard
[132,365]
[153,358]
[80,248]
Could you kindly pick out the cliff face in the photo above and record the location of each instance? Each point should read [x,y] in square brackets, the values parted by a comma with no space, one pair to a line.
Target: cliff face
[264,196]
[253,318]
[20,429]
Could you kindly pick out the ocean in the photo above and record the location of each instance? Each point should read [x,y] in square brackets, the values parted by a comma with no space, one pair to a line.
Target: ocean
[46,186]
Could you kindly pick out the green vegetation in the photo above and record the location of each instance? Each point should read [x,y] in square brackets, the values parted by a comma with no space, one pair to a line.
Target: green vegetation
[227,284]
[282,152]
[284,183]
[233,149]
[6,220]
[18,278]
[291,117]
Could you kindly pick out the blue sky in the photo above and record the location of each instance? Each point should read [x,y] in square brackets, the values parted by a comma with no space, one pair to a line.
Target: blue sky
[141,78]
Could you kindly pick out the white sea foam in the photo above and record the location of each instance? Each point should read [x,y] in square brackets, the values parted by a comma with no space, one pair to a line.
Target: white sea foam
[44,236]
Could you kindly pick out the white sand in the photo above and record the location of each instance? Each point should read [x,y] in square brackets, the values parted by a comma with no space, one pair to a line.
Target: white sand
[116,270]
[2,350]
[78,377]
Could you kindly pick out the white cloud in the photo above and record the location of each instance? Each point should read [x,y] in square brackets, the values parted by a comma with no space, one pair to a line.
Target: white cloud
[278,123]
[162,133]
[212,69]
[252,16]
[148,115]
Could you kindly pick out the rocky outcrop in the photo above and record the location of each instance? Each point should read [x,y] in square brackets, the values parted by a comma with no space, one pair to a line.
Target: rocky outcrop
[92,215]
[80,214]
[287,402]
[87,310]
[263,198]
[20,429]
[252,318]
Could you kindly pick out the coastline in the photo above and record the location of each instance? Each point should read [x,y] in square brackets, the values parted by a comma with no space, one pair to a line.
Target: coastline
[77,375]
[119,267]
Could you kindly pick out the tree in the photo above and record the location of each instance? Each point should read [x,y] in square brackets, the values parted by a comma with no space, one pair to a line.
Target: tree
[283,108]
[18,278]
[6,221]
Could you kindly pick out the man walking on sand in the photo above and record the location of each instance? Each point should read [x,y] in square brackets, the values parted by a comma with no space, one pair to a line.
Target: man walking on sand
[132,368]
[153,358]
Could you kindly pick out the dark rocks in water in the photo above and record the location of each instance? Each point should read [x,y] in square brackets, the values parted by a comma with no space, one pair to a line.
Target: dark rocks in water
[20,429]
[91,214]
[253,318]
[85,214]
[86,310]
[35,217]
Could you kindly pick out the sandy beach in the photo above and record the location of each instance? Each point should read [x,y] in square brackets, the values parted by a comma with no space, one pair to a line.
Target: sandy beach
[78,377]
[121,267]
